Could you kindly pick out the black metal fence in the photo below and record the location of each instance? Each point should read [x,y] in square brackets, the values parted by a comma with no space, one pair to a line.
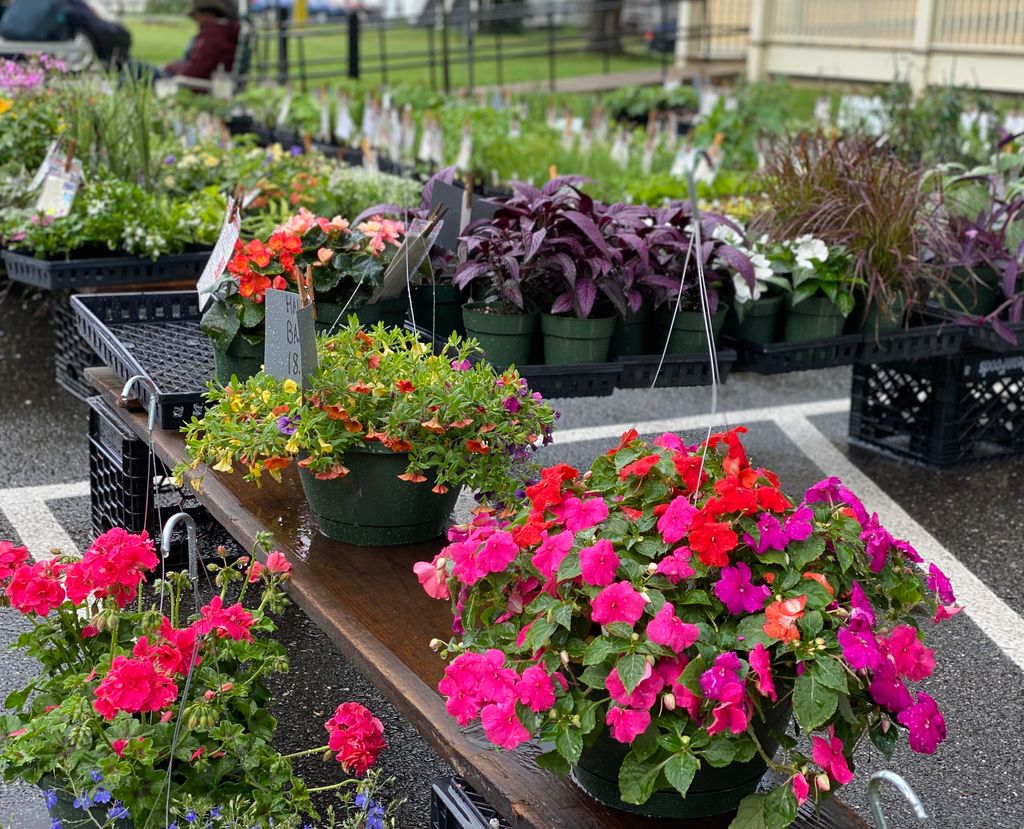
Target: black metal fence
[475,44]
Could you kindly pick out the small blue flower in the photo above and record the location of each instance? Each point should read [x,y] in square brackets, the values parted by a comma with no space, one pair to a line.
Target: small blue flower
[215,812]
[174,825]
[51,798]
[360,800]
[101,796]
[56,824]
[81,803]
[118,811]
[96,776]
[190,816]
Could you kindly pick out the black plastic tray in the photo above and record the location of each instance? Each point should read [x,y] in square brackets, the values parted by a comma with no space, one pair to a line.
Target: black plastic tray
[59,274]
[917,342]
[677,371]
[986,338]
[778,358]
[581,380]
[454,805]
[155,334]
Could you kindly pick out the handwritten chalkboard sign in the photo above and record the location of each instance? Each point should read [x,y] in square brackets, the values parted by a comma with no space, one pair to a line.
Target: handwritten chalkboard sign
[290,352]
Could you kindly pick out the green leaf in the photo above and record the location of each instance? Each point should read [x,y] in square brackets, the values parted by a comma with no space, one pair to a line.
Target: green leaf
[679,771]
[646,745]
[594,677]
[817,596]
[750,815]
[569,568]
[844,554]
[721,751]
[220,323]
[810,623]
[845,303]
[553,761]
[539,634]
[751,628]
[569,744]
[779,808]
[631,669]
[887,742]
[695,597]
[829,673]
[637,779]
[804,552]
[651,548]
[563,615]
[690,677]
[542,604]
[599,650]
[16,699]
[774,557]
[252,315]
[813,703]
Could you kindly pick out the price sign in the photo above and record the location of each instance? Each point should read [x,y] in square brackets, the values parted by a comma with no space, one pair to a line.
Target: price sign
[291,338]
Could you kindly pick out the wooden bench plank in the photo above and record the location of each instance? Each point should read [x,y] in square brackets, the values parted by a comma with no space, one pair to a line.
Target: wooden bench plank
[371,605]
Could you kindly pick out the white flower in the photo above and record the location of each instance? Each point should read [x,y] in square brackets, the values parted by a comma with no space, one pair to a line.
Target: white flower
[807,250]
[743,292]
[727,234]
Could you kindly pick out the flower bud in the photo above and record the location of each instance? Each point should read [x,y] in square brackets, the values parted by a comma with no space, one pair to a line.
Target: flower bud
[586,475]
[635,637]
[819,641]
[652,568]
[564,656]
[669,701]
[209,695]
[436,644]
[645,597]
[885,724]
[552,714]
[822,782]
[551,616]
[227,686]
[442,562]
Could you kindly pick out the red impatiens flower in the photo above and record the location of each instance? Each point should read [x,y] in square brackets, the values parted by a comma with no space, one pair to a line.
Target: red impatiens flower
[712,540]
[639,468]
[781,618]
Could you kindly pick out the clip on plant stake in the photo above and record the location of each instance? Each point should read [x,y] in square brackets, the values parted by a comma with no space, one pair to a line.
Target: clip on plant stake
[223,250]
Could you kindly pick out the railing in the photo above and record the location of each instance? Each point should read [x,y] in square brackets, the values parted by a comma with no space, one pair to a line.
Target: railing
[850,20]
[980,23]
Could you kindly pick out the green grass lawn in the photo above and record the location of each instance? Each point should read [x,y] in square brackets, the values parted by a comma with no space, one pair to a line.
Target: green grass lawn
[159,41]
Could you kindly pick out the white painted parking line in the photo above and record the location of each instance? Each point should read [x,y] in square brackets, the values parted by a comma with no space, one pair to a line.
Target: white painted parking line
[996,619]
[36,525]
[678,424]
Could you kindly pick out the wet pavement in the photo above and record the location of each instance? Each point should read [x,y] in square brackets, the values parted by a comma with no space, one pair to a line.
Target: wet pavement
[971,519]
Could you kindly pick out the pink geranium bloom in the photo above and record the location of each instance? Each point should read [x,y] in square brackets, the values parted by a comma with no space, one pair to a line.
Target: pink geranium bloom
[598,563]
[582,515]
[675,521]
[925,723]
[761,664]
[828,753]
[669,630]
[627,724]
[535,689]
[732,715]
[618,602]
[676,566]
[725,672]
[644,695]
[277,563]
[860,649]
[551,552]
[739,595]
[888,690]
[502,726]
[908,654]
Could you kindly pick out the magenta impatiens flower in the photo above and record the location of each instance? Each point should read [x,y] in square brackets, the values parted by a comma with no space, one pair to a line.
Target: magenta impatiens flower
[725,672]
[619,602]
[498,552]
[626,723]
[800,524]
[676,566]
[828,753]
[938,583]
[861,611]
[908,654]
[598,563]
[735,590]
[502,725]
[551,552]
[761,664]
[643,696]
[888,690]
[733,714]
[860,649]
[801,789]
[925,723]
[772,535]
[675,521]
[581,515]
[535,689]
[877,543]
[669,630]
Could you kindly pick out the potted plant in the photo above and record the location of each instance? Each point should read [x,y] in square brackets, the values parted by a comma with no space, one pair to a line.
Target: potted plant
[654,621]
[673,278]
[145,714]
[623,226]
[385,436]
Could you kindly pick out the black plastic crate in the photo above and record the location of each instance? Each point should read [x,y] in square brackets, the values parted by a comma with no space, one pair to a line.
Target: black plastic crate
[777,358]
[941,412]
[155,334]
[583,380]
[678,370]
[986,338]
[942,339]
[71,354]
[63,274]
[454,805]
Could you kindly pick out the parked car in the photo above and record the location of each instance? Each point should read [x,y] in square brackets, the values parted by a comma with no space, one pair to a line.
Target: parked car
[319,10]
[79,32]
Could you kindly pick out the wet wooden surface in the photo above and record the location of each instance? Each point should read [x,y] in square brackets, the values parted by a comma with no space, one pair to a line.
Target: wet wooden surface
[370,604]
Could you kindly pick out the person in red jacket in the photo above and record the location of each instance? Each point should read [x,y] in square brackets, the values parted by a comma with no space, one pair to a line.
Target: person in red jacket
[215,43]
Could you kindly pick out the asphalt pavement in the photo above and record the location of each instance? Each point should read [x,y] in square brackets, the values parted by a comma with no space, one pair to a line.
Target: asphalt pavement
[969,520]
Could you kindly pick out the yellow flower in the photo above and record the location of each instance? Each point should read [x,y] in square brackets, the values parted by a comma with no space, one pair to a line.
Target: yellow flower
[255,471]
[224,464]
[236,404]
[5,105]
[276,153]
[290,386]
[265,395]
[209,160]
[326,447]
[292,447]
[169,182]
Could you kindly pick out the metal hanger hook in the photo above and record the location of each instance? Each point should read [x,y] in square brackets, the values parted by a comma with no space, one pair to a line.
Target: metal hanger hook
[874,792]
[142,379]
[193,549]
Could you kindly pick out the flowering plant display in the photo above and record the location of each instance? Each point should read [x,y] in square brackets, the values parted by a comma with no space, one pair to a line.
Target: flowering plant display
[146,711]
[460,421]
[675,599]
[766,282]
[815,267]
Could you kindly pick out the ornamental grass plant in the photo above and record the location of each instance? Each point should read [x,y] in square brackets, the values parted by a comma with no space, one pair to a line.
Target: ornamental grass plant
[458,419]
[673,599]
[147,714]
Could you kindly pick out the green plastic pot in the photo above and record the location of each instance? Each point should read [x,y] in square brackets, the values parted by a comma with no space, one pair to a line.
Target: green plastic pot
[965,294]
[505,338]
[815,318]
[714,791]
[569,341]
[241,358]
[760,322]
[877,317]
[70,817]
[391,312]
[630,337]
[372,507]
[438,308]
[687,335]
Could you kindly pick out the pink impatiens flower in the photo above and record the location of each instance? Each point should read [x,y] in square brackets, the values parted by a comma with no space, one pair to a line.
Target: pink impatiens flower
[828,753]
[861,610]
[619,602]
[735,590]
[502,725]
[908,654]
[725,672]
[925,723]
[801,789]
[877,543]
[598,564]
[676,566]
[860,649]
[643,696]
[551,552]
[675,521]
[669,630]
[732,714]
[433,577]
[535,689]
[761,664]
[888,690]
[627,724]
[582,515]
